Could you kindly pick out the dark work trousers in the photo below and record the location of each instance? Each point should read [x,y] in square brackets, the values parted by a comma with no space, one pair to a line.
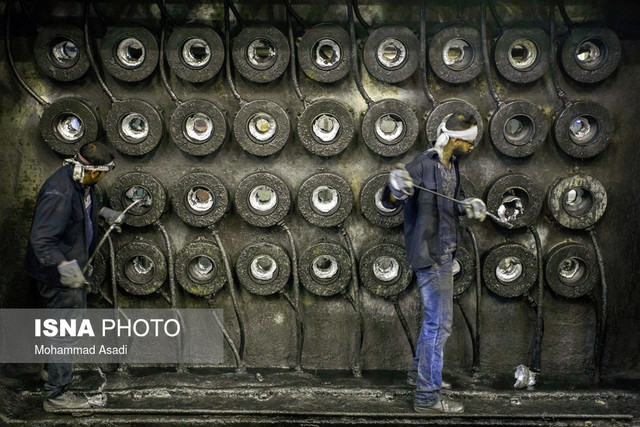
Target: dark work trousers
[58,296]
[436,288]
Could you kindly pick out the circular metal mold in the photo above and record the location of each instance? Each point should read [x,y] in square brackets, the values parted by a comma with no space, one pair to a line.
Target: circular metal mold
[263,268]
[68,123]
[570,269]
[389,127]
[198,127]
[195,53]
[143,186]
[391,53]
[518,129]
[384,270]
[99,263]
[455,54]
[591,54]
[510,270]
[325,128]
[371,206]
[577,201]
[499,196]
[199,268]
[60,53]
[583,129]
[465,273]
[199,199]
[521,54]
[325,199]
[141,268]
[129,54]
[324,53]
[260,210]
[261,128]
[260,53]
[134,127]
[325,269]
[452,107]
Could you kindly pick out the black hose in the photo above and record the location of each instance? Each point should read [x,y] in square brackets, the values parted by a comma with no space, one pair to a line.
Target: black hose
[552,42]
[92,60]
[296,298]
[29,16]
[163,71]
[423,54]
[485,54]
[467,321]
[364,23]
[292,61]
[162,5]
[567,21]
[292,12]
[236,13]
[355,302]
[537,344]
[99,13]
[403,321]
[476,253]
[112,265]
[12,65]
[239,363]
[496,17]
[227,52]
[596,344]
[354,55]
[603,322]
[232,291]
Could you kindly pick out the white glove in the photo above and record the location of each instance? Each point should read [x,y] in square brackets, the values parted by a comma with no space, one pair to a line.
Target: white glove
[70,274]
[475,208]
[401,181]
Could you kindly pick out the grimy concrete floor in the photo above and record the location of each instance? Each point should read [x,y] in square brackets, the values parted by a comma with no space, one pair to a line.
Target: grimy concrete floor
[144,396]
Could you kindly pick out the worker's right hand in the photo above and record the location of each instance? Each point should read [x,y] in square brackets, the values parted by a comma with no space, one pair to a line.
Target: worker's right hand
[475,208]
[400,180]
[70,274]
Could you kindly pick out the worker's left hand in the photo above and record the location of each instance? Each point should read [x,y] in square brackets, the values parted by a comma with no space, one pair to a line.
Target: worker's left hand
[475,208]
[112,216]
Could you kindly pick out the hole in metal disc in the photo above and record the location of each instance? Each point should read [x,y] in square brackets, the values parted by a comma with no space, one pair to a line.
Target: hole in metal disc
[261,53]
[262,127]
[583,129]
[578,202]
[134,127]
[391,53]
[377,198]
[386,269]
[327,53]
[325,127]
[198,128]
[142,195]
[591,53]
[325,267]
[457,54]
[64,51]
[389,128]
[456,269]
[139,269]
[523,54]
[201,269]
[200,199]
[130,53]
[509,269]
[263,200]
[519,129]
[325,200]
[264,268]
[69,128]
[196,53]
[513,203]
[572,270]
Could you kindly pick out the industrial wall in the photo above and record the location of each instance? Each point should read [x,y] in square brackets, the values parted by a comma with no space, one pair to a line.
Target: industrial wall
[245,170]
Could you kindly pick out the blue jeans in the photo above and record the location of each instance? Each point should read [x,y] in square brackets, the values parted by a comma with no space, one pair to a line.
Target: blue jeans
[436,288]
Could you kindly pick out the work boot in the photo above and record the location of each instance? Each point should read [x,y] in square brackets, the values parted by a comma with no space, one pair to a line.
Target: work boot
[64,401]
[443,405]
[412,376]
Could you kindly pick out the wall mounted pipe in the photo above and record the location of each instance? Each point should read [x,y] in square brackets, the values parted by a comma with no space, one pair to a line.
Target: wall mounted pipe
[292,60]
[227,50]
[423,54]
[371,203]
[478,275]
[354,299]
[60,52]
[537,343]
[355,67]
[236,354]
[163,36]
[602,330]
[295,299]
[403,322]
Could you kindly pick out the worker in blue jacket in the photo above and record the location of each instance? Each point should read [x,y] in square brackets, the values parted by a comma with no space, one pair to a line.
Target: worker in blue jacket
[430,230]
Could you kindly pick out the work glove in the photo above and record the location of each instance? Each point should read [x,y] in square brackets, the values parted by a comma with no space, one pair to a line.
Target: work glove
[111,216]
[70,274]
[401,181]
[475,208]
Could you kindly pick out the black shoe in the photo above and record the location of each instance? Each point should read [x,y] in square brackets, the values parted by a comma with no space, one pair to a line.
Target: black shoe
[64,401]
[413,375]
[443,405]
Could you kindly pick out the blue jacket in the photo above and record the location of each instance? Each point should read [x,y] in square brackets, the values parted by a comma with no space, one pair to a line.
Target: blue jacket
[424,212]
[59,230]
